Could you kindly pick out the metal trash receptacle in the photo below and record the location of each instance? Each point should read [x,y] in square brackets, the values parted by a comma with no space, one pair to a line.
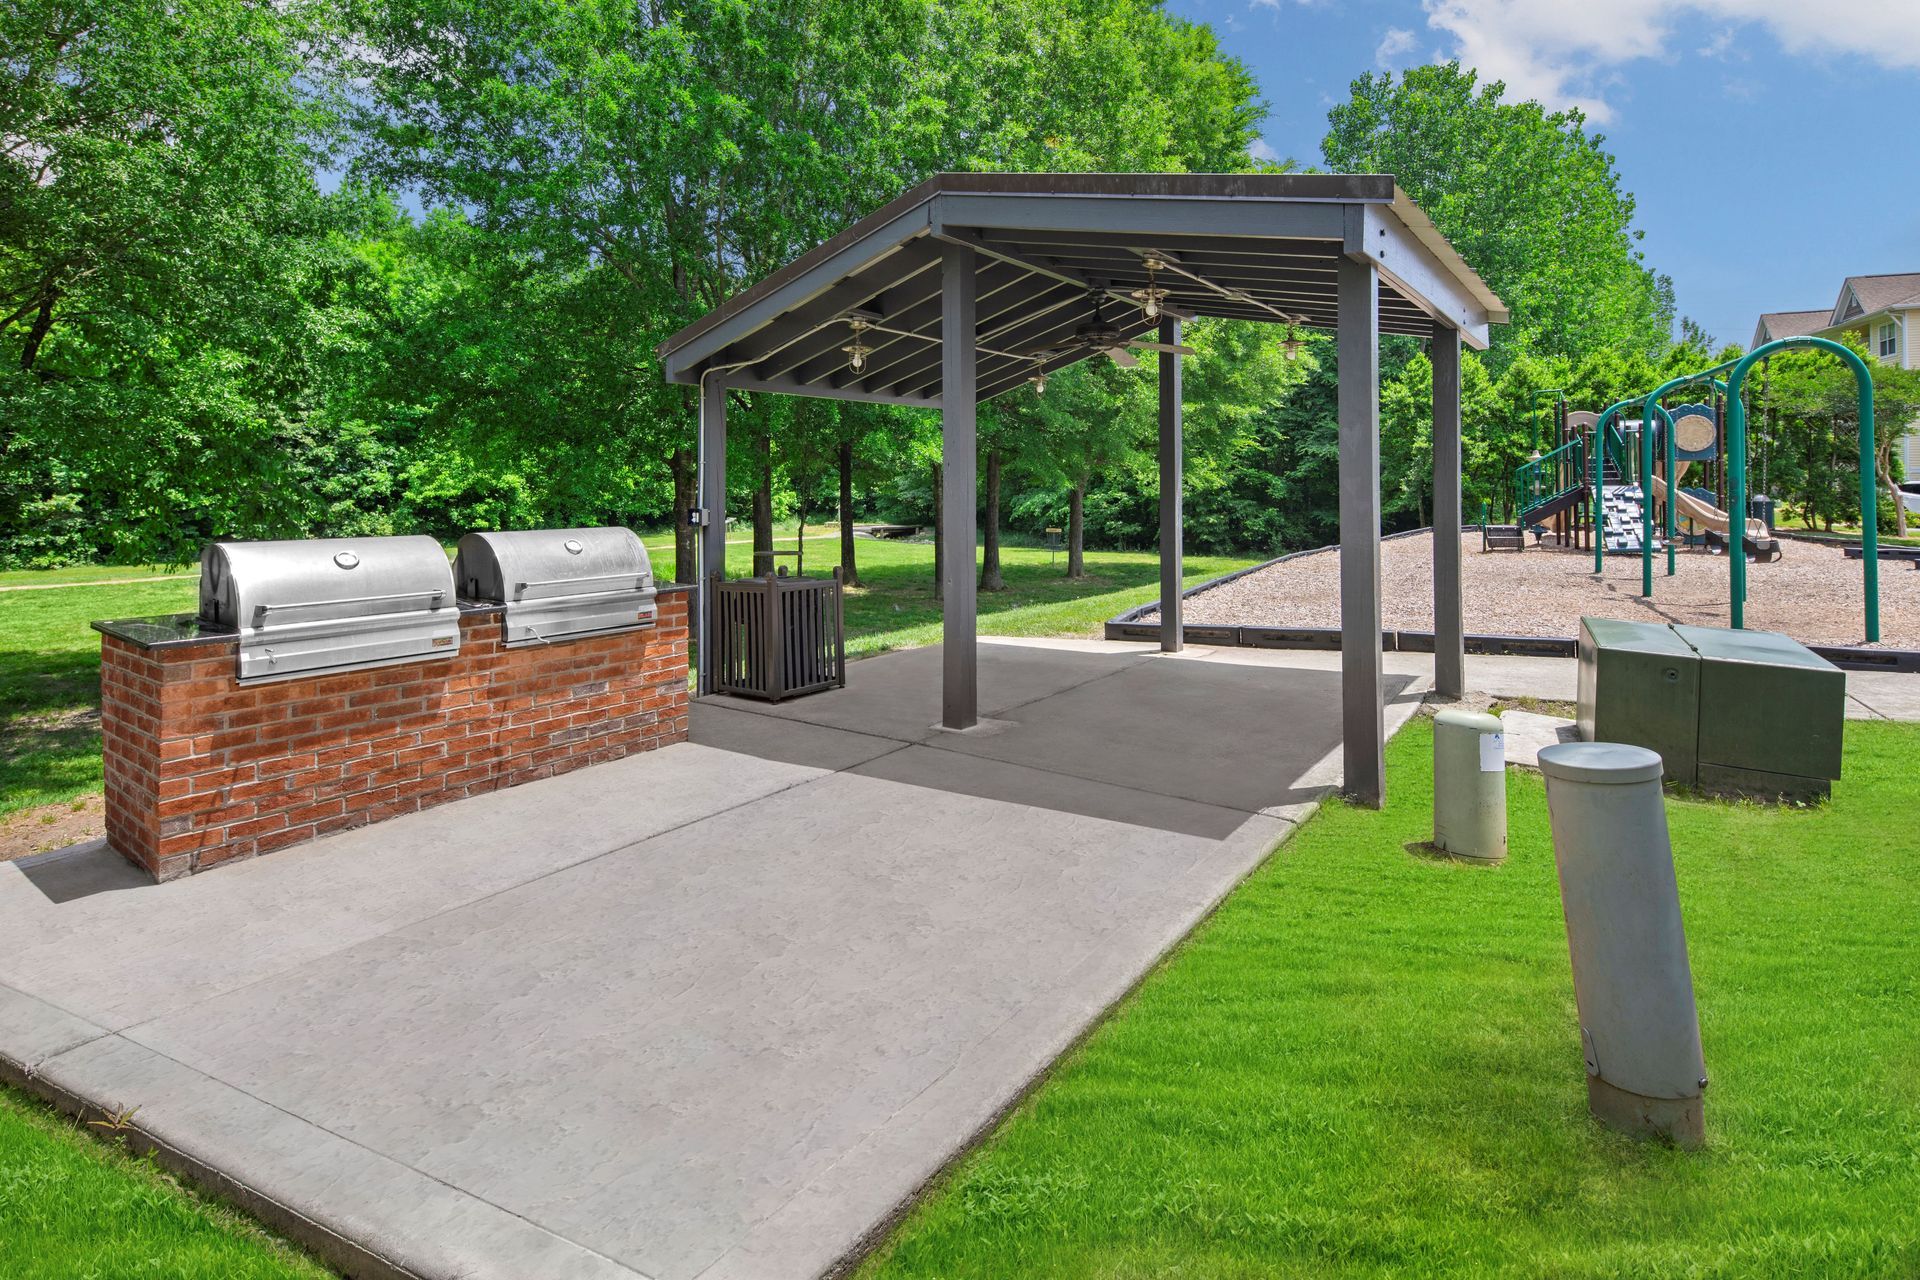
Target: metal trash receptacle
[1470,785]
[1639,1029]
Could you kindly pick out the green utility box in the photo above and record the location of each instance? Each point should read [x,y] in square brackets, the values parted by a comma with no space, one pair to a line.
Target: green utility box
[1772,713]
[1741,712]
[1640,683]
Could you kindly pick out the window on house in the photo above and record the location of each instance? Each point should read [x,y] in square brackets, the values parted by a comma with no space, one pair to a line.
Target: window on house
[1889,341]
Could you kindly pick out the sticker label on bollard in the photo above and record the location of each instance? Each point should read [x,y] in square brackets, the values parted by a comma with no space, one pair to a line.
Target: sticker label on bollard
[1493,752]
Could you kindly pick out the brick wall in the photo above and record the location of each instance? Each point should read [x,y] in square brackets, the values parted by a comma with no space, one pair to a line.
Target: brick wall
[202,770]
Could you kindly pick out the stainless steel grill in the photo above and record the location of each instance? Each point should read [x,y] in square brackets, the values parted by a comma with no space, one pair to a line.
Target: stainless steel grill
[330,604]
[556,583]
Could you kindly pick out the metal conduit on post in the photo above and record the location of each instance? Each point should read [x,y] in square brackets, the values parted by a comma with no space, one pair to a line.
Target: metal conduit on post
[1639,1028]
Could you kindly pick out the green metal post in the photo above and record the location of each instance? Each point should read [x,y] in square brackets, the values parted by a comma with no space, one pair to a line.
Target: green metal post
[1646,496]
[1650,407]
[1666,420]
[1736,428]
[1600,430]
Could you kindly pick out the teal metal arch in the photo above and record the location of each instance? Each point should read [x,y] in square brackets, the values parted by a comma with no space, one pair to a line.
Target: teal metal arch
[1736,429]
[1650,407]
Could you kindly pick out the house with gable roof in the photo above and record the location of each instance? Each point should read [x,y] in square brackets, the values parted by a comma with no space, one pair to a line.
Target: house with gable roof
[1883,311]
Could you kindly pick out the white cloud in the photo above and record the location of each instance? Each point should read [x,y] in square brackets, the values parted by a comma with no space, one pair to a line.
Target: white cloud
[1393,46]
[1260,150]
[1564,52]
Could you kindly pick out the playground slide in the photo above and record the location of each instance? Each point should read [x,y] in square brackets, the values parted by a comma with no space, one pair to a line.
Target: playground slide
[1705,514]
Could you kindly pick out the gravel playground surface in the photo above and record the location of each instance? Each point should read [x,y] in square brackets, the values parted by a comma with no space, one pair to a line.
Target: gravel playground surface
[1812,593]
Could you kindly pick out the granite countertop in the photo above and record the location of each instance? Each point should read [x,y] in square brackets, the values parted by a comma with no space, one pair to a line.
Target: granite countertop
[173,630]
[164,631]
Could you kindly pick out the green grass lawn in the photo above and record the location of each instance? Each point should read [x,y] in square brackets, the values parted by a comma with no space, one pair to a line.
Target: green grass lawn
[75,1208]
[1367,1064]
[50,657]
[50,683]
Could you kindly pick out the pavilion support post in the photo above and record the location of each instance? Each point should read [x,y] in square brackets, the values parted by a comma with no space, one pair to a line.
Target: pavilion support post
[1449,631]
[1172,484]
[1362,715]
[711,484]
[960,677]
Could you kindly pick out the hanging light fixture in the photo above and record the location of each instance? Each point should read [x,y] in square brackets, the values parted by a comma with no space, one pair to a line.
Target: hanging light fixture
[1153,295]
[858,351]
[1039,381]
[1291,347]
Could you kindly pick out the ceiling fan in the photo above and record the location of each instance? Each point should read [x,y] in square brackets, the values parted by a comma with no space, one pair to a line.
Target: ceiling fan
[1099,336]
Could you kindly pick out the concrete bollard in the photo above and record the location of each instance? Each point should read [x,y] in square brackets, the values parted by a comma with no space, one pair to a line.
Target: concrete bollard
[1470,785]
[1638,1026]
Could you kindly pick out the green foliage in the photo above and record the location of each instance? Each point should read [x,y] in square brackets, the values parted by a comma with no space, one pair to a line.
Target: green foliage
[254,358]
[161,245]
[1527,196]
[1804,420]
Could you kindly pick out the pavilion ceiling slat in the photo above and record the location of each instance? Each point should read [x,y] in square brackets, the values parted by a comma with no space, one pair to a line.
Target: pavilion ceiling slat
[1001,289]
[910,260]
[1029,331]
[830,335]
[1238,248]
[1047,298]
[1005,377]
[1035,296]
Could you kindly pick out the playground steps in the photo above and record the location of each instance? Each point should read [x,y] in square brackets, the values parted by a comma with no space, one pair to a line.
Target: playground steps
[1620,519]
[1542,512]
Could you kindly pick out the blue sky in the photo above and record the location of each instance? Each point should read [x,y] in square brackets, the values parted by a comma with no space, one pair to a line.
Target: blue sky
[1818,104]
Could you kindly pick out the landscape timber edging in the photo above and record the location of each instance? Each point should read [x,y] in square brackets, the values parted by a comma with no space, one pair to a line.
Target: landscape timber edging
[1131,626]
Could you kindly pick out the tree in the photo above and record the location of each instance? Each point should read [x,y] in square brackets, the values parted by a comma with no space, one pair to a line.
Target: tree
[1811,399]
[163,267]
[1528,197]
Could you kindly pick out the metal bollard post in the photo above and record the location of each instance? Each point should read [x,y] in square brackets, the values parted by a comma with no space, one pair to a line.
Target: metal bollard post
[1470,785]
[1638,1025]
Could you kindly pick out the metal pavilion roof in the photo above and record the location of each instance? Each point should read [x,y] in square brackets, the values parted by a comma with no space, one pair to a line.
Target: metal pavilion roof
[1051,249]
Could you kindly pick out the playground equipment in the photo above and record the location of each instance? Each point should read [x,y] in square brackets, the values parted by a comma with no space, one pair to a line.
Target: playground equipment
[1589,471]
[1737,472]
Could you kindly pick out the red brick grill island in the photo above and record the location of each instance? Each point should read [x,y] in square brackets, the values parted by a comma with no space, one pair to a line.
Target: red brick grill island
[202,769]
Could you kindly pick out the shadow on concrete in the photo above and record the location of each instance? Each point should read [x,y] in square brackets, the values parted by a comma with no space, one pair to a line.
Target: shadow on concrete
[1180,744]
[80,871]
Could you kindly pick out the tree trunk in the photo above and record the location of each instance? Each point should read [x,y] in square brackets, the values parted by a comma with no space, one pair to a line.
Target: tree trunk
[686,539]
[37,332]
[1076,531]
[848,569]
[990,579]
[1883,465]
[939,534]
[763,511]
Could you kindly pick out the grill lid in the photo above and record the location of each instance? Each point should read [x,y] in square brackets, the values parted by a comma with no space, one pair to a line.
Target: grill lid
[556,583]
[330,604]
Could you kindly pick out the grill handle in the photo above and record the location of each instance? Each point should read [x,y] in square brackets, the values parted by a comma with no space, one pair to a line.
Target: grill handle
[520,588]
[435,595]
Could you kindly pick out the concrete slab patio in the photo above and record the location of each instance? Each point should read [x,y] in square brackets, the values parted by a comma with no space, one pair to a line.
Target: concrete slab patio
[714,1011]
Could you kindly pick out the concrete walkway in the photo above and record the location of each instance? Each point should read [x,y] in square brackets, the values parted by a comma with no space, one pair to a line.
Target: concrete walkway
[715,1011]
